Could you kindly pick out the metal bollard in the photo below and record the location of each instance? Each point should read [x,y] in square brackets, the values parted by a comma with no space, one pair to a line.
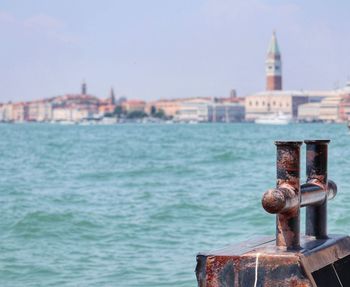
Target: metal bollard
[316,171]
[289,196]
[314,260]
[285,199]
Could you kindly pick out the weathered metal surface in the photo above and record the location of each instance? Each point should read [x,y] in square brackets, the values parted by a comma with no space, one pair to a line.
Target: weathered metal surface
[281,200]
[313,193]
[316,171]
[268,265]
[288,179]
[321,252]
[316,259]
[242,271]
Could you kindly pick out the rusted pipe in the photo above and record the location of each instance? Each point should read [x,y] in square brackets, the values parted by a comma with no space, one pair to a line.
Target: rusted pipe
[315,194]
[280,200]
[316,172]
[288,183]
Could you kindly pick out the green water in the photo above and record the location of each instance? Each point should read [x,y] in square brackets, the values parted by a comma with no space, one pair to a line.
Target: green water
[131,205]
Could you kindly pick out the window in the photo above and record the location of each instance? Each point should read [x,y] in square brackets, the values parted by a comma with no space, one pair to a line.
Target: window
[274,103]
[263,103]
[257,103]
[250,103]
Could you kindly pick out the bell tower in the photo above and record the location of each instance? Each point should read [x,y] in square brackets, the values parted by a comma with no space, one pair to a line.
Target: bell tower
[83,88]
[273,66]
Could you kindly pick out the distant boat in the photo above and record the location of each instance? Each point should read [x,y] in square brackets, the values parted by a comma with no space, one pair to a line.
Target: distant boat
[274,119]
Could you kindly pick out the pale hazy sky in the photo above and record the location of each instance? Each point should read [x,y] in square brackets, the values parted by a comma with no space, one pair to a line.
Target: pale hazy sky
[151,49]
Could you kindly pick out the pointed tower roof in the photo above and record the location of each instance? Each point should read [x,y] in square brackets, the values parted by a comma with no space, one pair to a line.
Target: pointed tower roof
[273,47]
[112,96]
[83,88]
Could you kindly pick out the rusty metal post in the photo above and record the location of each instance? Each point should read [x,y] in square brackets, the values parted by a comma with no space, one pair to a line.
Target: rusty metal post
[288,180]
[316,172]
[294,260]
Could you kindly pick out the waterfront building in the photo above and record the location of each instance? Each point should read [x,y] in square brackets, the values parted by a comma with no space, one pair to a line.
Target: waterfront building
[61,114]
[225,112]
[273,66]
[195,110]
[75,107]
[287,102]
[20,112]
[329,108]
[210,110]
[70,114]
[344,108]
[269,102]
[39,111]
[169,107]
[336,107]
[108,105]
[6,112]
[309,112]
[134,106]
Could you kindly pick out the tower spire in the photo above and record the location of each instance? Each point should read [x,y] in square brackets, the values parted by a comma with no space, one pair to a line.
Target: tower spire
[273,48]
[83,88]
[112,97]
[273,65]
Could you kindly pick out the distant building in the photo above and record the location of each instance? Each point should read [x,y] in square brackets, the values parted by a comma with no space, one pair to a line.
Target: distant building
[108,105]
[169,107]
[6,112]
[309,112]
[344,108]
[20,112]
[69,107]
[39,111]
[83,88]
[195,110]
[329,109]
[268,102]
[208,110]
[225,112]
[75,107]
[274,100]
[273,66]
[134,105]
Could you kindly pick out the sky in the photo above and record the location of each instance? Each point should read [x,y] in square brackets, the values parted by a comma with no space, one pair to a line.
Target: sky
[159,49]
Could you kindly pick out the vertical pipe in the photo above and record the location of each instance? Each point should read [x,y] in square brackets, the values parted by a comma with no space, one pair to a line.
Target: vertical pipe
[288,175]
[316,172]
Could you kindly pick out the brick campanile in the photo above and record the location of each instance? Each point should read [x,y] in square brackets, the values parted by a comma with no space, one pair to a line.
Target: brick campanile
[273,66]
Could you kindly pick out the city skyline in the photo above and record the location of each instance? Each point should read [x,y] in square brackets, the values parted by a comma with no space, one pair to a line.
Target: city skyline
[168,50]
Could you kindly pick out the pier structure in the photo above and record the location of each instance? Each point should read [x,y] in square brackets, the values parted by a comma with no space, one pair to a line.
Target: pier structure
[315,259]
